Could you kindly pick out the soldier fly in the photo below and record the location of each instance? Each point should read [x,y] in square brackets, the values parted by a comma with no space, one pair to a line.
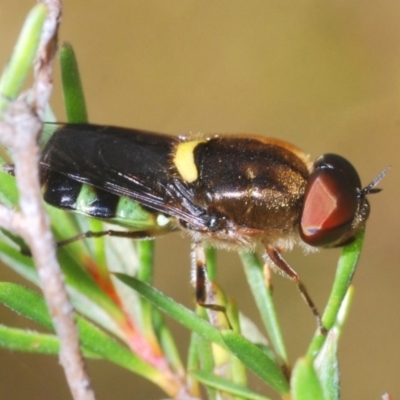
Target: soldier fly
[227,191]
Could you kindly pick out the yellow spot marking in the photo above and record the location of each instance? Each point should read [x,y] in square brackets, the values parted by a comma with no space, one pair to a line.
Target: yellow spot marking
[184,160]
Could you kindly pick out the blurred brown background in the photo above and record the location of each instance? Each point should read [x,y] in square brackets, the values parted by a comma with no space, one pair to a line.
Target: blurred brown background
[323,75]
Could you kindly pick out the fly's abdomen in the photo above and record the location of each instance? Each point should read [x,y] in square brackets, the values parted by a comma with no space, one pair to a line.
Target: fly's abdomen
[66,193]
[60,191]
[257,183]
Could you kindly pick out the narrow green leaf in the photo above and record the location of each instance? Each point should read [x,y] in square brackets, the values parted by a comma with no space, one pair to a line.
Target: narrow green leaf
[237,369]
[175,310]
[9,197]
[344,310]
[211,257]
[304,383]
[25,302]
[74,99]
[193,359]
[23,265]
[193,352]
[264,300]
[32,342]
[97,246]
[99,342]
[82,282]
[206,363]
[145,249]
[167,342]
[327,366]
[145,252]
[257,361]
[28,341]
[344,273]
[23,55]
[226,386]
[66,225]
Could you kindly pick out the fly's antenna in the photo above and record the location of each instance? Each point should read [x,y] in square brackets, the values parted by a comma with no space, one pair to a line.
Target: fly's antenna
[371,189]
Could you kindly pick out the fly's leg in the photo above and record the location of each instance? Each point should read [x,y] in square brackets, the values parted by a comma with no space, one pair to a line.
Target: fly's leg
[278,261]
[134,235]
[203,290]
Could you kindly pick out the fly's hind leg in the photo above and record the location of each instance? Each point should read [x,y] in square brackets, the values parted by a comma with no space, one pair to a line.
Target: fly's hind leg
[134,235]
[279,262]
[205,296]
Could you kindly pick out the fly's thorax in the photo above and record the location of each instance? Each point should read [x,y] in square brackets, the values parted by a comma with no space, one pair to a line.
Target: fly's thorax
[184,162]
[251,183]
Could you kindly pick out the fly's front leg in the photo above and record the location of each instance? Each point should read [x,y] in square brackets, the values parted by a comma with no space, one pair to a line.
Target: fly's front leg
[205,296]
[278,261]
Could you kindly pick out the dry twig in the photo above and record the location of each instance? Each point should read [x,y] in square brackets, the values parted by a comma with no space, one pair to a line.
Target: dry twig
[19,132]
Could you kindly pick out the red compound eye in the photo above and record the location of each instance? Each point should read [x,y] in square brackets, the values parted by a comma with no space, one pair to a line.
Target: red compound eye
[330,201]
